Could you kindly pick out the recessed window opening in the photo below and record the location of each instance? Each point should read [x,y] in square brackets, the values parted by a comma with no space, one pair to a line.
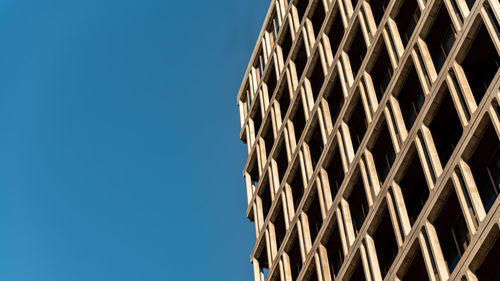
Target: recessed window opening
[300,59]
[378,8]
[335,252]
[381,73]
[297,186]
[452,231]
[284,99]
[485,167]
[489,269]
[414,189]
[254,174]
[313,276]
[257,120]
[282,162]
[317,78]
[263,262]
[358,274]
[301,6]
[416,271]
[407,19]
[357,51]
[385,243]
[335,32]
[335,173]
[269,140]
[335,99]
[411,98]
[265,196]
[358,205]
[357,125]
[271,80]
[314,218]
[295,259]
[383,153]
[316,145]
[446,129]
[279,227]
[286,45]
[441,38]
[481,63]
[299,121]
[318,18]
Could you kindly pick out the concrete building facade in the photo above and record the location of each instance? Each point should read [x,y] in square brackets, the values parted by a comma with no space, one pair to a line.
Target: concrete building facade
[372,129]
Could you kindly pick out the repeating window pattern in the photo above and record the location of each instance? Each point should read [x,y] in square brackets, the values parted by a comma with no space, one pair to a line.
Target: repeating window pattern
[372,129]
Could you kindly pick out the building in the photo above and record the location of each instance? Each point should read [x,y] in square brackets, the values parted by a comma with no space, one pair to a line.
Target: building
[373,140]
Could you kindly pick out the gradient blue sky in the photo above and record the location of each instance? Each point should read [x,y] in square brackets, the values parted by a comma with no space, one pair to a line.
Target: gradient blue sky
[119,149]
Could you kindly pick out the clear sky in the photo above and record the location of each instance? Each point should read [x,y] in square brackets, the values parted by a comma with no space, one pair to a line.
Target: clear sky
[120,156]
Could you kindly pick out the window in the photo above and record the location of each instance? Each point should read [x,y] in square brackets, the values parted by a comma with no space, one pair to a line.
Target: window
[295,258]
[265,196]
[481,63]
[446,129]
[335,173]
[301,6]
[269,139]
[318,18]
[485,166]
[378,8]
[414,189]
[411,98]
[315,144]
[314,218]
[358,274]
[335,32]
[407,19]
[357,51]
[441,38]
[286,45]
[335,253]
[257,120]
[335,99]
[300,59]
[316,79]
[283,98]
[298,121]
[357,125]
[452,231]
[279,227]
[416,271]
[282,161]
[383,153]
[297,186]
[489,269]
[358,205]
[385,243]
[381,73]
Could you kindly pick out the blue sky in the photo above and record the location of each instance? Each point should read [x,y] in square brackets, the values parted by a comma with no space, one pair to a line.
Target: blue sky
[119,149]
